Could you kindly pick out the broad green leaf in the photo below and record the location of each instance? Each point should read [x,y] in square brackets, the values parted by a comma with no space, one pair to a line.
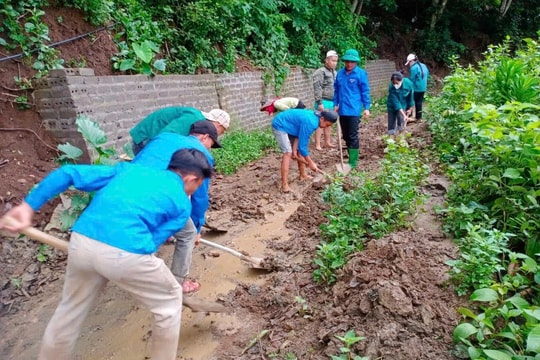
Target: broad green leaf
[508,335]
[3,42]
[467,312]
[29,27]
[67,220]
[533,340]
[474,353]
[90,131]
[70,151]
[497,355]
[160,64]
[485,294]
[463,331]
[512,173]
[151,45]
[128,64]
[38,65]
[518,302]
[534,313]
[143,52]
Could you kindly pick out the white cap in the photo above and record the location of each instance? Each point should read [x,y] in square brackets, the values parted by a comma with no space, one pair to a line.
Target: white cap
[410,58]
[331,53]
[219,116]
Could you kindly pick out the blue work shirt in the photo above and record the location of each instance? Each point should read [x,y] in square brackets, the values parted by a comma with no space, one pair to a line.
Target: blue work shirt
[418,74]
[300,123]
[157,154]
[351,92]
[135,208]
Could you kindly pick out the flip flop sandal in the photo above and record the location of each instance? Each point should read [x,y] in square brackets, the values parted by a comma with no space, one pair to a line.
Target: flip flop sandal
[189,287]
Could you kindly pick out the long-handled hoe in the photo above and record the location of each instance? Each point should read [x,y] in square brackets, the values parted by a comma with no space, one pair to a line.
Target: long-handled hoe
[195,304]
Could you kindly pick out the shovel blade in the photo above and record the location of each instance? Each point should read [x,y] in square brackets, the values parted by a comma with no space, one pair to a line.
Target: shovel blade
[343,168]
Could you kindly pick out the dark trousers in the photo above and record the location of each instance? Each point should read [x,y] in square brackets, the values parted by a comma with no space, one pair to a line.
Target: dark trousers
[349,128]
[418,100]
[138,147]
[393,118]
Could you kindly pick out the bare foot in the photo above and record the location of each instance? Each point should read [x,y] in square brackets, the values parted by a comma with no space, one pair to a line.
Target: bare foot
[329,145]
[318,148]
[285,189]
[306,177]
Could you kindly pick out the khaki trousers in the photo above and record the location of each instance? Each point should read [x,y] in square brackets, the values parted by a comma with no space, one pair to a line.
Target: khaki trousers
[91,264]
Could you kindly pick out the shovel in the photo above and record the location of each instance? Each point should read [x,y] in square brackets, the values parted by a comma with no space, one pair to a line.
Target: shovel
[196,305]
[257,263]
[342,168]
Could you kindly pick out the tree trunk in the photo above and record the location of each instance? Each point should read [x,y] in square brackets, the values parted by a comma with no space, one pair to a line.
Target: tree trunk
[356,10]
[505,5]
[439,5]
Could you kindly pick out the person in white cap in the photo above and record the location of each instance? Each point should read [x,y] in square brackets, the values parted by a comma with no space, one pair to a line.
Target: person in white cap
[175,119]
[418,74]
[323,90]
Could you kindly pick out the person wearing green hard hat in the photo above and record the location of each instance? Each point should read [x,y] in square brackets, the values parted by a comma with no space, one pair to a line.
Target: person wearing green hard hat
[351,100]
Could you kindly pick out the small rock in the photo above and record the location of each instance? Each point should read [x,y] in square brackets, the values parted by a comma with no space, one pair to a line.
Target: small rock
[394,299]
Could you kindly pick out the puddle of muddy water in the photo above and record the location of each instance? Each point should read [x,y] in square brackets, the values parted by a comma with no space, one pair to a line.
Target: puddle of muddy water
[119,328]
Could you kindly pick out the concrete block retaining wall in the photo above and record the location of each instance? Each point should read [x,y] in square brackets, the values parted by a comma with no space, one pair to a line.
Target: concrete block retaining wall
[117,103]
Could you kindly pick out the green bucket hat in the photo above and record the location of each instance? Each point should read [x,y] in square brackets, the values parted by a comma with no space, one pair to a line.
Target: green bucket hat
[351,55]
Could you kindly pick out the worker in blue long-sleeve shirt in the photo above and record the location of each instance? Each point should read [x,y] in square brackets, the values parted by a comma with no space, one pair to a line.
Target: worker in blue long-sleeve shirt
[299,124]
[352,99]
[134,210]
[155,154]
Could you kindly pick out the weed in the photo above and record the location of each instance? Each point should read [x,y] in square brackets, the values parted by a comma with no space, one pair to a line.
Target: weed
[304,310]
[43,253]
[22,102]
[345,353]
[16,282]
[76,63]
[241,147]
[479,260]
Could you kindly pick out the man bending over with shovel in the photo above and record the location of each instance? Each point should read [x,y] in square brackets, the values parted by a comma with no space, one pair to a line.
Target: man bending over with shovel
[298,124]
[156,153]
[134,210]
[175,119]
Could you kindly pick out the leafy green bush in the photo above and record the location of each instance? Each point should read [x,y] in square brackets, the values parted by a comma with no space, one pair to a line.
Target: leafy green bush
[481,257]
[486,129]
[96,137]
[492,150]
[508,323]
[361,207]
[98,12]
[241,147]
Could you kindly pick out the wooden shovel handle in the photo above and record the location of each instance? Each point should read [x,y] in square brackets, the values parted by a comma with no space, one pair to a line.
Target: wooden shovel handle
[38,235]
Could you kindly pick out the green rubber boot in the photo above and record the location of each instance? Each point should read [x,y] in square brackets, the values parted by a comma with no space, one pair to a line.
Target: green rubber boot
[353,157]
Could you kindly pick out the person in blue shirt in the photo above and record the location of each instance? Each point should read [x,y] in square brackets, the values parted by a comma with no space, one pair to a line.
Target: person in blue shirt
[299,124]
[418,74]
[203,136]
[351,100]
[399,103]
[134,210]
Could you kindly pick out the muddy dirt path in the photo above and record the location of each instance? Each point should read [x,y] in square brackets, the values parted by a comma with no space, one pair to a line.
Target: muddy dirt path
[394,293]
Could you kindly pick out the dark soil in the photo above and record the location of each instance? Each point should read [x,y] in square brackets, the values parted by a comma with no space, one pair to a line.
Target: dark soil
[394,293]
